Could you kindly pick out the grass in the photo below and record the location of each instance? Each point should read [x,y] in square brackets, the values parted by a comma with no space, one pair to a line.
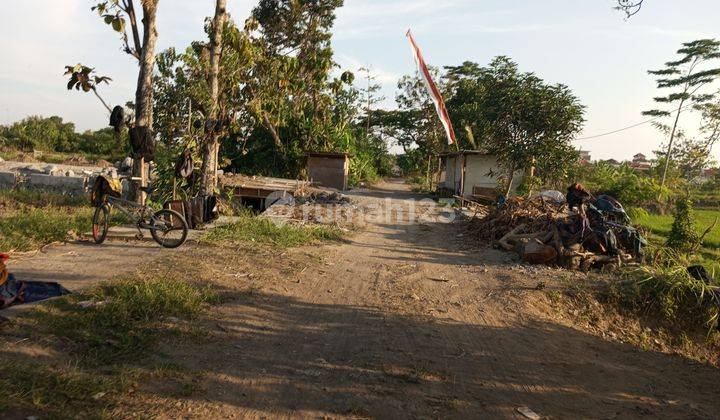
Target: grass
[110,344]
[254,230]
[31,219]
[661,224]
[55,392]
[658,228]
[122,325]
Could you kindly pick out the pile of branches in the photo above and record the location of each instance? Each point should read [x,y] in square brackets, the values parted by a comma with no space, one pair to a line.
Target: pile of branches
[583,232]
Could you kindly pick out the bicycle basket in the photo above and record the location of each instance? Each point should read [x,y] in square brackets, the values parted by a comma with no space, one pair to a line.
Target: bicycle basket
[104,186]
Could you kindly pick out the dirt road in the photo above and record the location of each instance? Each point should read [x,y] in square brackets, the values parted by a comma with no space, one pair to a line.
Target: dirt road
[405,322]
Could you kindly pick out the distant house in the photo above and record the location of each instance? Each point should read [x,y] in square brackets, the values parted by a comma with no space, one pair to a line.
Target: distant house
[474,173]
[708,175]
[612,162]
[584,157]
[640,163]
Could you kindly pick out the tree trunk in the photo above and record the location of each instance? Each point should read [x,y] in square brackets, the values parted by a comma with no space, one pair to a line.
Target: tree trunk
[144,91]
[273,132]
[210,151]
[670,145]
[511,178]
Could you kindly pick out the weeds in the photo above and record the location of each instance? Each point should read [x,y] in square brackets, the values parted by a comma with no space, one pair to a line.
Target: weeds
[31,219]
[122,324]
[256,230]
[54,392]
[667,287]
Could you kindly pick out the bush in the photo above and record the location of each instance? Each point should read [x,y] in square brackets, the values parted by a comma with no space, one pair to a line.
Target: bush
[668,288]
[683,235]
[628,186]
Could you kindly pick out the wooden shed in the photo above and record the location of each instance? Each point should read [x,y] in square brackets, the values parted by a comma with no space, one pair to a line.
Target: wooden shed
[330,170]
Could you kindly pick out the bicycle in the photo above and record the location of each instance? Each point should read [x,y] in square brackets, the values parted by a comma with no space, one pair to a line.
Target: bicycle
[161,224]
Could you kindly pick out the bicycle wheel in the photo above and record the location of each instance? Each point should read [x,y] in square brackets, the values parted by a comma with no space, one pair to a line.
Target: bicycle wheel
[168,228]
[100,224]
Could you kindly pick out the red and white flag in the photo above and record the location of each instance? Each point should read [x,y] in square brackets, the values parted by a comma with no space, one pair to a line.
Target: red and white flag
[432,89]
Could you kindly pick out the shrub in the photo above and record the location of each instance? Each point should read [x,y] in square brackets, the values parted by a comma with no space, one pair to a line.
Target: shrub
[668,288]
[683,235]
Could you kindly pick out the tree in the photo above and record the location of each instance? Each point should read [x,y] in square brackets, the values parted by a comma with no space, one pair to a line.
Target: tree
[117,14]
[524,121]
[82,77]
[370,95]
[691,155]
[211,146]
[687,76]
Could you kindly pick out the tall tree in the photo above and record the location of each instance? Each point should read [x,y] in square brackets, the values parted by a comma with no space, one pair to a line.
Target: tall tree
[139,41]
[211,146]
[686,76]
[370,95]
[517,116]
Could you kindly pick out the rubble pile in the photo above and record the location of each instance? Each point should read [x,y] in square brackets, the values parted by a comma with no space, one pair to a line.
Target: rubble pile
[315,206]
[580,232]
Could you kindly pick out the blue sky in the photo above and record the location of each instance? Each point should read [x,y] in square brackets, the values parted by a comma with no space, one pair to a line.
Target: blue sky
[584,44]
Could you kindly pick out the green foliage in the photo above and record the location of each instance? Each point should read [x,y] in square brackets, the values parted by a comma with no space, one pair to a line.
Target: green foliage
[683,235]
[517,116]
[686,76]
[289,102]
[254,230]
[32,219]
[630,187]
[53,135]
[82,77]
[668,288]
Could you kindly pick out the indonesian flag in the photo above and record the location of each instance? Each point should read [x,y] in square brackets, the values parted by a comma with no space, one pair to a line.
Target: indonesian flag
[432,89]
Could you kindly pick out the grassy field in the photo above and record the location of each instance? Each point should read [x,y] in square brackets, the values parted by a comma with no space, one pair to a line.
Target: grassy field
[659,227]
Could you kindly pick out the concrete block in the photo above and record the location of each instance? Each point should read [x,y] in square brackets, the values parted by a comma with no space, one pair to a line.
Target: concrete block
[8,180]
[62,183]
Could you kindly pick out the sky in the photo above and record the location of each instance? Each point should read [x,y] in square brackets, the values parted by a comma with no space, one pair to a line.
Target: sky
[585,44]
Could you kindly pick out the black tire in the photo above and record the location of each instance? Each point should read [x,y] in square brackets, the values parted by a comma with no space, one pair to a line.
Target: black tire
[100,224]
[166,222]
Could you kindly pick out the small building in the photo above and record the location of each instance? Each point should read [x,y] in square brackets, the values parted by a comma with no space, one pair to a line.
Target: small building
[584,157]
[330,170]
[475,174]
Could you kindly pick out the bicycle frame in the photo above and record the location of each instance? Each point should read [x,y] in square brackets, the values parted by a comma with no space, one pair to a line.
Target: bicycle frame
[138,212]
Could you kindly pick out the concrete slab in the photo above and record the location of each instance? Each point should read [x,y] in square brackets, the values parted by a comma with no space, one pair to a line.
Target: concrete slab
[8,180]
[63,183]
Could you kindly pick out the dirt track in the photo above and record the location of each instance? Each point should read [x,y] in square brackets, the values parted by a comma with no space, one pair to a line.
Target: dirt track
[402,322]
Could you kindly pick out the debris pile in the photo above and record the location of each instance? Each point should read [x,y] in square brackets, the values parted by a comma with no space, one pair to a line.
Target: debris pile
[315,206]
[577,232]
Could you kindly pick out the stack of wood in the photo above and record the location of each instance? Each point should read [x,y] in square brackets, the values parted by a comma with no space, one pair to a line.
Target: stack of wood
[547,232]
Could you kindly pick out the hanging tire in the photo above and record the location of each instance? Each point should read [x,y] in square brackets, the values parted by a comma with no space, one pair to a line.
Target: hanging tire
[168,228]
[100,224]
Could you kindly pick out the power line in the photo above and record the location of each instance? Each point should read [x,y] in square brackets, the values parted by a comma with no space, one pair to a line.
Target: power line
[632,126]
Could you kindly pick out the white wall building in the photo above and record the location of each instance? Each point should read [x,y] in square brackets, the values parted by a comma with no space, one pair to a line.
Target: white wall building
[473,173]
